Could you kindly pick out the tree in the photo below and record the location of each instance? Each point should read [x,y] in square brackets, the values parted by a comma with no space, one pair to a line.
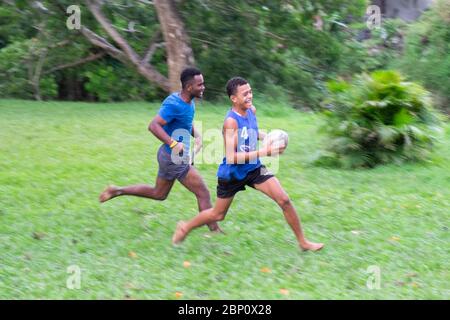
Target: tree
[179,52]
[274,44]
[102,28]
[285,48]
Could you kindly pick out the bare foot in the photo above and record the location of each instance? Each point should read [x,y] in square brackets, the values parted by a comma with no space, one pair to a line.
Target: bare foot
[180,233]
[109,193]
[214,227]
[311,246]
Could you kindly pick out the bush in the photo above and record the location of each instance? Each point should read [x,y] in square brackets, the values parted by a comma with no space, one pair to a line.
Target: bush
[15,62]
[378,119]
[13,72]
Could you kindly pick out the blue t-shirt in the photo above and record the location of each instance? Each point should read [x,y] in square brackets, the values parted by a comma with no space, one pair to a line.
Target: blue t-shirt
[179,116]
[247,141]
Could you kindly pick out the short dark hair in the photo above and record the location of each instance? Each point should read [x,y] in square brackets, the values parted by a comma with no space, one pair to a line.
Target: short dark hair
[233,84]
[187,75]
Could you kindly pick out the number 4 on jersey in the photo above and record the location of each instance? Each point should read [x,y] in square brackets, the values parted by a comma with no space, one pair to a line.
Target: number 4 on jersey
[244,133]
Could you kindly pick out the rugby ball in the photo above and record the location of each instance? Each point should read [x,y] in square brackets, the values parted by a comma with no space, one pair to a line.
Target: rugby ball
[276,138]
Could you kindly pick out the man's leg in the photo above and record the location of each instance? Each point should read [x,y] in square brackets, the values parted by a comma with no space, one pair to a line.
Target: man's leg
[212,215]
[193,181]
[159,192]
[274,190]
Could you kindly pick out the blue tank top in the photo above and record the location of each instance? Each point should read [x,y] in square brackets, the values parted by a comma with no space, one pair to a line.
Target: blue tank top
[247,141]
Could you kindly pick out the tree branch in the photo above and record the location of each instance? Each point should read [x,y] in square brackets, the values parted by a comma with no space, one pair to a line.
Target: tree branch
[153,45]
[59,44]
[94,7]
[146,69]
[151,51]
[146,2]
[101,42]
[89,58]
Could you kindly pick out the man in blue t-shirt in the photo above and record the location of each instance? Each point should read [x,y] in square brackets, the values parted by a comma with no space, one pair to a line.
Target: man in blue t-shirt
[241,167]
[173,125]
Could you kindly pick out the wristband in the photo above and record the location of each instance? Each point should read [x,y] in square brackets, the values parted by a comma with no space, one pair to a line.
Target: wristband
[173,144]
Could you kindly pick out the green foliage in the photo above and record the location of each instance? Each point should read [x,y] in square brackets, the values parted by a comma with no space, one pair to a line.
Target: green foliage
[26,32]
[13,72]
[366,50]
[15,25]
[16,62]
[48,87]
[271,43]
[427,52]
[110,81]
[378,119]
[274,44]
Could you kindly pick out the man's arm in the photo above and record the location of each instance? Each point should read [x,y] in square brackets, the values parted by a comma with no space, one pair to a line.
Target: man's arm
[156,127]
[261,135]
[194,132]
[198,139]
[230,129]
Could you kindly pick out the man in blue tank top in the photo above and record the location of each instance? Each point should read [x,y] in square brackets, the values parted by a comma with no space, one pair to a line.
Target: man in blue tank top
[173,125]
[241,167]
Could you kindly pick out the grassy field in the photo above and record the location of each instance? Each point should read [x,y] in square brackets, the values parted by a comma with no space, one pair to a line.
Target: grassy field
[55,158]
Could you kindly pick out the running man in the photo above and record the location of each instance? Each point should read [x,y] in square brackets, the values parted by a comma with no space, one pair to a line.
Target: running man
[241,167]
[173,125]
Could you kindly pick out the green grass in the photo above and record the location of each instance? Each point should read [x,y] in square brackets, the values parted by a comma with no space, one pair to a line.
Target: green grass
[55,158]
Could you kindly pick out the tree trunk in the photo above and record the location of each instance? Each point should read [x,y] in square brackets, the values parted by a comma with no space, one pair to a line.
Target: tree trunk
[179,51]
[35,81]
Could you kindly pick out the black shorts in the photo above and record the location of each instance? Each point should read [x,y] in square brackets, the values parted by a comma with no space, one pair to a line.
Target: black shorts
[228,188]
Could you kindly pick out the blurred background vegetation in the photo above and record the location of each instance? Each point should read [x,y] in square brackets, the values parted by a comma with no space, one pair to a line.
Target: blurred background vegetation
[287,49]
[292,52]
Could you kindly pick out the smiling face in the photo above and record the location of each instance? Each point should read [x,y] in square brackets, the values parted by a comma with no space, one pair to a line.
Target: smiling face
[196,86]
[243,97]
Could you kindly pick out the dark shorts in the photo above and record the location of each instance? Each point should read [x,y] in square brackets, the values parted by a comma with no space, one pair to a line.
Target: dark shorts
[168,170]
[228,188]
